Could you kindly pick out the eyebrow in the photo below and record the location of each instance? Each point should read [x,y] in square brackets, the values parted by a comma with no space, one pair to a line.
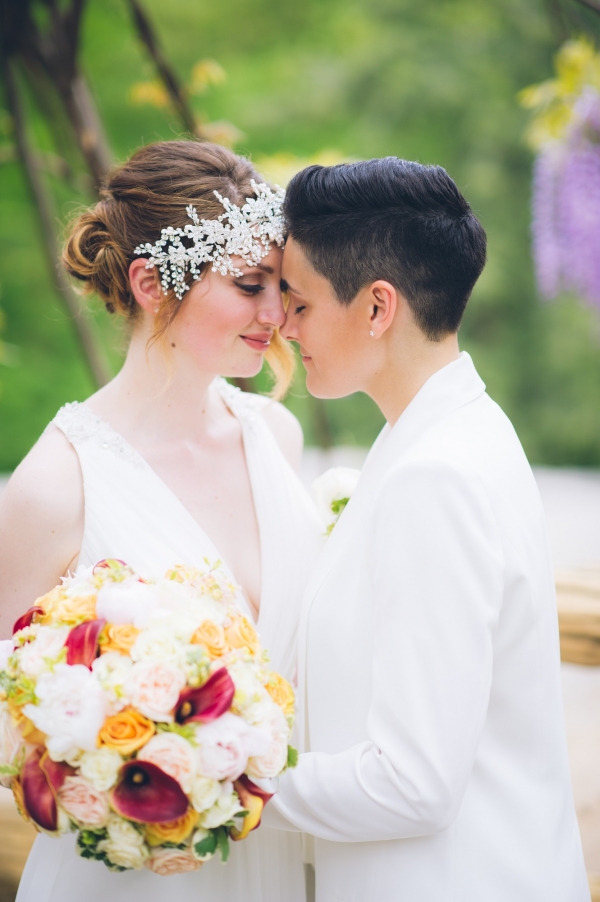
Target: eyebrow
[285,286]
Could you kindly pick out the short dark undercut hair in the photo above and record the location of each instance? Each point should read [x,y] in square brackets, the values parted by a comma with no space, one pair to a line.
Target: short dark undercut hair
[395,220]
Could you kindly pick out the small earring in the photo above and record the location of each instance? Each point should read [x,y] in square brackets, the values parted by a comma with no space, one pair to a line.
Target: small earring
[156,309]
[372,334]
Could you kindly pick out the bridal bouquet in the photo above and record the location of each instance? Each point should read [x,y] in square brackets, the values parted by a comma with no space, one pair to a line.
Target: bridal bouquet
[139,713]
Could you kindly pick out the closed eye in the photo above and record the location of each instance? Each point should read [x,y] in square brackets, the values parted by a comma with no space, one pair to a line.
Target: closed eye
[300,309]
[249,289]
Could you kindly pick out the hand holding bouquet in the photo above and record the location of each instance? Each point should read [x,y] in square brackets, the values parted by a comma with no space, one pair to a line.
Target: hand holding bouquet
[139,713]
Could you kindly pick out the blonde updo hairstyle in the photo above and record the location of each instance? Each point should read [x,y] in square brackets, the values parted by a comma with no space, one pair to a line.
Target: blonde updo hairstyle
[144,195]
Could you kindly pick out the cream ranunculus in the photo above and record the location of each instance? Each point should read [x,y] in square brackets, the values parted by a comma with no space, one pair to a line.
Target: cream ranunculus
[204,793]
[43,651]
[225,745]
[112,672]
[71,709]
[154,687]
[11,743]
[226,806]
[125,845]
[101,768]
[272,761]
[251,699]
[129,601]
[174,755]
[158,644]
[83,802]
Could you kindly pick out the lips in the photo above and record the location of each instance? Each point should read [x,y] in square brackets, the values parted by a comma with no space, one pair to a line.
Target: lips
[259,341]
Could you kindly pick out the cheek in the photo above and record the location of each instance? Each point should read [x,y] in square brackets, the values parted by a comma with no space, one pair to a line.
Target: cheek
[210,325]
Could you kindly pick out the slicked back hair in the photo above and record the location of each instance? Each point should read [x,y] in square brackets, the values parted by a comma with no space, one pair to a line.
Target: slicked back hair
[394,220]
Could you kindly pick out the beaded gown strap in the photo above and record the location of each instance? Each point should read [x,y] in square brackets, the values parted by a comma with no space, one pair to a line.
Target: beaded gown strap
[80,425]
[244,405]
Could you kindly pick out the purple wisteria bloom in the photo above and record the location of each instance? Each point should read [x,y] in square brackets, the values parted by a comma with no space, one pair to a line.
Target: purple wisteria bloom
[566,207]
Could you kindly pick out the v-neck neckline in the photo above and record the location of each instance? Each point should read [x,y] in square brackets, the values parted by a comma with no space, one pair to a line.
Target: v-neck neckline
[222,387]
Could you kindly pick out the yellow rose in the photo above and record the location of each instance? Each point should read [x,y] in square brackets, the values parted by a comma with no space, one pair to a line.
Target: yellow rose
[72,611]
[281,692]
[118,637]
[172,831]
[212,637]
[126,732]
[241,634]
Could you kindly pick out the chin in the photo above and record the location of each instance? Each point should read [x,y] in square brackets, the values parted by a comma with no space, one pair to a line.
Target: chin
[319,388]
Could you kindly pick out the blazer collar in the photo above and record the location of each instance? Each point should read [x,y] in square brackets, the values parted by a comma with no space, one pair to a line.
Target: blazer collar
[450,388]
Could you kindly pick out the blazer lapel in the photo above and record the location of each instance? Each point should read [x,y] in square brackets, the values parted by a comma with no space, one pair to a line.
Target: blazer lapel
[452,387]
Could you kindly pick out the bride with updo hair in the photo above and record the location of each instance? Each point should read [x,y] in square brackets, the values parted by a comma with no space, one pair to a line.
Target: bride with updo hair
[169,463]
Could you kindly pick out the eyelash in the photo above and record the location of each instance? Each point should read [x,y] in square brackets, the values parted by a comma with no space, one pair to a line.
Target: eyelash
[250,289]
[299,309]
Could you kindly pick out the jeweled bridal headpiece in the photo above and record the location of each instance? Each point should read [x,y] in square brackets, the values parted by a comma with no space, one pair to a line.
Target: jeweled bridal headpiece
[247,232]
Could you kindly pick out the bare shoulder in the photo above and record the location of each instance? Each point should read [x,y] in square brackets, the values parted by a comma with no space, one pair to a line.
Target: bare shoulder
[41,522]
[286,429]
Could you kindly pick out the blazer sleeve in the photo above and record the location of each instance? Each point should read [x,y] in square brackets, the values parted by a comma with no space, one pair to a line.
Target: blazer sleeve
[435,561]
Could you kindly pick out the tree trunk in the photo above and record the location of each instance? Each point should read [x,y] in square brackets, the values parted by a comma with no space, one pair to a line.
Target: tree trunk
[92,351]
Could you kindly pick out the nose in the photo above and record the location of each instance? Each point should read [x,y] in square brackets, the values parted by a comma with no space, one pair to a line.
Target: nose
[271,311]
[288,330]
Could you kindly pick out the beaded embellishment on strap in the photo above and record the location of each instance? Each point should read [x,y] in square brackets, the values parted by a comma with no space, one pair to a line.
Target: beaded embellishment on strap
[243,405]
[80,424]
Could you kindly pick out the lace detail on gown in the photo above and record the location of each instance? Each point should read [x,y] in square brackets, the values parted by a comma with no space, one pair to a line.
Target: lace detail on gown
[80,424]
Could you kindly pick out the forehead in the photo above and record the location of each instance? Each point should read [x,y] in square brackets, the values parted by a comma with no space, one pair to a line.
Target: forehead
[297,270]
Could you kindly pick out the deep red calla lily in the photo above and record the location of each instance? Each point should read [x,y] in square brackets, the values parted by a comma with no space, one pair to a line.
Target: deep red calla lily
[254,799]
[40,779]
[82,642]
[26,619]
[108,564]
[145,793]
[209,701]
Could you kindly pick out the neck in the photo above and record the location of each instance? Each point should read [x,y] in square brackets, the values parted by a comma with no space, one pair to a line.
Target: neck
[160,392]
[405,368]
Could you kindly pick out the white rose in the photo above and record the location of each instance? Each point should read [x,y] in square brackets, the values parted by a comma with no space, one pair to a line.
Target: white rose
[153,687]
[172,595]
[129,601]
[174,755]
[112,672]
[11,743]
[158,644]
[226,806]
[224,746]
[101,768]
[6,650]
[335,485]
[70,711]
[125,845]
[41,653]
[204,793]
[273,760]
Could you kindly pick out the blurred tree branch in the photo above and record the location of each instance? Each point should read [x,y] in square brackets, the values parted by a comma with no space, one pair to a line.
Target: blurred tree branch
[43,202]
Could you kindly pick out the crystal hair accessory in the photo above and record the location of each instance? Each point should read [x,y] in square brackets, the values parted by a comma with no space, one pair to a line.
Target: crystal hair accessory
[247,232]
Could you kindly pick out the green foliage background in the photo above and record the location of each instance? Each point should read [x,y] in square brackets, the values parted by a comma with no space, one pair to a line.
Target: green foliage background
[434,81]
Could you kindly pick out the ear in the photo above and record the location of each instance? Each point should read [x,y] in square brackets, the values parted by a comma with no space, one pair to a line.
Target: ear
[145,286]
[383,304]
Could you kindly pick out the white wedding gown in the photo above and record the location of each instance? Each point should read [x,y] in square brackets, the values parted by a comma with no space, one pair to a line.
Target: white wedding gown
[131,514]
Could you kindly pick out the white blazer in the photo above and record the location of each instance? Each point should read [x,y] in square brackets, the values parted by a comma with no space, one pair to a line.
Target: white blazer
[429,663]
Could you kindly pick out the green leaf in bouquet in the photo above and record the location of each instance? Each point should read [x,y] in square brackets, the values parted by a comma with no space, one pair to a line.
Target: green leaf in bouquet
[8,770]
[206,846]
[292,756]
[338,505]
[223,842]
[188,731]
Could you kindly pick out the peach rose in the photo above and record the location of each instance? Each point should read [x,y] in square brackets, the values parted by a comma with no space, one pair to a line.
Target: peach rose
[153,687]
[172,861]
[281,692]
[174,755]
[126,732]
[83,803]
[272,761]
[118,637]
[59,606]
[176,831]
[212,637]
[241,634]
